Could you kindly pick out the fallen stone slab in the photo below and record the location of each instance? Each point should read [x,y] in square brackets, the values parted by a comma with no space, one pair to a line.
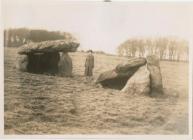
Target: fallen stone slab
[117,78]
[131,63]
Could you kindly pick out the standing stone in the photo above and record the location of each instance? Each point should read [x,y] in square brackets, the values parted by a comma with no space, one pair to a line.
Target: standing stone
[65,65]
[139,83]
[22,62]
[155,75]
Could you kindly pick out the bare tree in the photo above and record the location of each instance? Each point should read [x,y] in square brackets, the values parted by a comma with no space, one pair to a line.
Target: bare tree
[121,50]
[150,46]
[166,48]
[162,46]
[141,47]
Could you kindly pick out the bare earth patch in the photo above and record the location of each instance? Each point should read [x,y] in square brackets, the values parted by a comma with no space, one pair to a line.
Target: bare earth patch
[43,104]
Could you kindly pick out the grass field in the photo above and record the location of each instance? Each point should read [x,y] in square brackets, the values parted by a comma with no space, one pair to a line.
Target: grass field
[42,104]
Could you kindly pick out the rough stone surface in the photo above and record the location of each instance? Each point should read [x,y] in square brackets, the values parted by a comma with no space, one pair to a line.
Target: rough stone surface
[155,75]
[139,83]
[49,46]
[65,65]
[131,63]
[152,60]
[22,62]
[43,57]
[117,78]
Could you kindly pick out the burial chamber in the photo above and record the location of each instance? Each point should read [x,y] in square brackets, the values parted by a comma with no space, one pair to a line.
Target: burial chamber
[135,76]
[118,77]
[44,57]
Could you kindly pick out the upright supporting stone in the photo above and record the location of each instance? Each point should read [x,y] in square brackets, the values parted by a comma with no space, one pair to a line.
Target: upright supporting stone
[139,83]
[155,75]
[22,62]
[65,65]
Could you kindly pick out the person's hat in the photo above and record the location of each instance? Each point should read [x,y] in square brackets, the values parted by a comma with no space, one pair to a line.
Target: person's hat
[90,51]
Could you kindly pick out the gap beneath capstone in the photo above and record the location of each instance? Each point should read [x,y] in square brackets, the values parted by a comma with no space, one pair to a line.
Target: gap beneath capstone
[117,83]
[43,62]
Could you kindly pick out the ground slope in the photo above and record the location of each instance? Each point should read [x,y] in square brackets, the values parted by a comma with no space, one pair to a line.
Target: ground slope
[43,104]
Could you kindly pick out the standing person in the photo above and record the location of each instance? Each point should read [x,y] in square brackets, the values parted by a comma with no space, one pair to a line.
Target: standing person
[89,65]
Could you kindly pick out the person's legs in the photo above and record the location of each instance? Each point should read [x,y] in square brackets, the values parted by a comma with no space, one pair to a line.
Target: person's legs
[88,74]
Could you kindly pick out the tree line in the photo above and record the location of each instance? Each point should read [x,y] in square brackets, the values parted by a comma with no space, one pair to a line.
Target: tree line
[165,48]
[19,36]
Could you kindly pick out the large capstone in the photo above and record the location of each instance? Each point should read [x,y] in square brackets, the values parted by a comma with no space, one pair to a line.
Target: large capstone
[118,77]
[65,65]
[49,46]
[139,83]
[155,75]
[44,57]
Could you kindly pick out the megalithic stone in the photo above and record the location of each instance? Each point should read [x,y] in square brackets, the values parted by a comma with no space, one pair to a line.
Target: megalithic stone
[22,62]
[139,83]
[117,78]
[65,65]
[49,46]
[155,75]
[43,57]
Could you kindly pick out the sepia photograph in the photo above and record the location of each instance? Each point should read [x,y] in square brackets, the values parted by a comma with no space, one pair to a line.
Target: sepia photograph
[96,67]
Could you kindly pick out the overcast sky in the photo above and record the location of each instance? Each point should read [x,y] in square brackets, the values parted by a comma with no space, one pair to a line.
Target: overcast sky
[100,25]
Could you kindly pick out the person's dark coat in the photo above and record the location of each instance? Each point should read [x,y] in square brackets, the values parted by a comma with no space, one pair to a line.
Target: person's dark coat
[89,65]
